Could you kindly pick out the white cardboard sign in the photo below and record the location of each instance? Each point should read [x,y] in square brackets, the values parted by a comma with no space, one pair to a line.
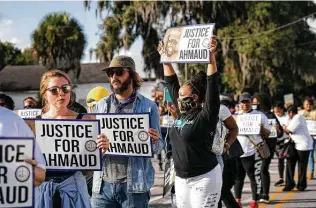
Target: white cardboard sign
[311,125]
[69,144]
[29,113]
[188,44]
[16,176]
[248,124]
[127,133]
[273,130]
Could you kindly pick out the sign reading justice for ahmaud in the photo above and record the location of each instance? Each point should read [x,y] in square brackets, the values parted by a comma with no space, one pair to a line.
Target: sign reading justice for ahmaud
[68,144]
[188,44]
[248,124]
[127,133]
[16,176]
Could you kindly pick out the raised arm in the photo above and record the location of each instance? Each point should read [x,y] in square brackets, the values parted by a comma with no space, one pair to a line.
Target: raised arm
[212,103]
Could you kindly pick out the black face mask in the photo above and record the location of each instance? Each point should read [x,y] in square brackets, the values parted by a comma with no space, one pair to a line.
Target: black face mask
[186,104]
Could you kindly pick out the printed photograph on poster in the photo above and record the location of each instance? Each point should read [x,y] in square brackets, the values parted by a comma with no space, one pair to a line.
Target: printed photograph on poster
[311,125]
[127,133]
[272,123]
[68,144]
[187,44]
[16,176]
[28,113]
[248,124]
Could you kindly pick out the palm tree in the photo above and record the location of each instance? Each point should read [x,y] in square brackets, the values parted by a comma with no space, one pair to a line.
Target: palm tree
[59,43]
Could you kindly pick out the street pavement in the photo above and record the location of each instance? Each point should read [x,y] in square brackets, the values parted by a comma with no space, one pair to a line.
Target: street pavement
[278,199]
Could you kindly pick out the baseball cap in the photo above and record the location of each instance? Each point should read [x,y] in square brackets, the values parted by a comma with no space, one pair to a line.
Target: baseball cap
[223,97]
[121,62]
[245,97]
[95,95]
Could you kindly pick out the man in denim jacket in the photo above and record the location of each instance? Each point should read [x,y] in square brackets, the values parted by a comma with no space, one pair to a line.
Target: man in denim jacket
[126,181]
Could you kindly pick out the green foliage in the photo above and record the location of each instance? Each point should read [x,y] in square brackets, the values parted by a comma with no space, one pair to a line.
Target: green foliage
[254,53]
[59,42]
[11,55]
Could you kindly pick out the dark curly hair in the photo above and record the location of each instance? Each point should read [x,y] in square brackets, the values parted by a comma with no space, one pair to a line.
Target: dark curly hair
[198,85]
[8,101]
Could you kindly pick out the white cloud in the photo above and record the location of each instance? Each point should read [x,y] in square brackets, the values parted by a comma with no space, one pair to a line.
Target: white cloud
[8,33]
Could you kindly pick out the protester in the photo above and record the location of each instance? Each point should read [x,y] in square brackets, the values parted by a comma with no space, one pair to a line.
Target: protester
[229,167]
[126,181]
[95,95]
[62,188]
[198,175]
[307,113]
[75,106]
[29,103]
[282,117]
[246,163]
[7,102]
[264,104]
[11,125]
[297,129]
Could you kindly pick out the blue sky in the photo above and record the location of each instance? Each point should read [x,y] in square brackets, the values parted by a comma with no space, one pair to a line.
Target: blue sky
[19,19]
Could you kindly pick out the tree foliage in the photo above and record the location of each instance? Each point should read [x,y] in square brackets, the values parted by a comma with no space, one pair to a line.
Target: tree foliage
[254,53]
[11,55]
[59,42]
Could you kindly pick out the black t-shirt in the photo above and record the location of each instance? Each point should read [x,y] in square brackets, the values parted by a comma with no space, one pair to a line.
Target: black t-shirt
[192,134]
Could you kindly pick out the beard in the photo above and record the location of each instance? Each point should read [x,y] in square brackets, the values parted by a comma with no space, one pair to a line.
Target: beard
[124,86]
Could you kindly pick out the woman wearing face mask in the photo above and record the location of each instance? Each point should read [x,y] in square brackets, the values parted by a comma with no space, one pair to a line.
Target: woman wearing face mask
[199,177]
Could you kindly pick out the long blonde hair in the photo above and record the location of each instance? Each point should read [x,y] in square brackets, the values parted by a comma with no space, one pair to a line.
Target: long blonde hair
[44,83]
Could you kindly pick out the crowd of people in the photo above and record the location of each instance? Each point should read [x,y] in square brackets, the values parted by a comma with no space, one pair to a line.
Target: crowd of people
[210,156]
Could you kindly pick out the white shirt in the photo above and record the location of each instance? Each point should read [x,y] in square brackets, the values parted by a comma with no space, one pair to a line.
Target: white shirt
[11,125]
[245,143]
[284,120]
[300,135]
[224,113]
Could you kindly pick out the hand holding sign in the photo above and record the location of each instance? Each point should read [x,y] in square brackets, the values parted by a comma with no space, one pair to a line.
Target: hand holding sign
[154,134]
[39,172]
[213,44]
[103,143]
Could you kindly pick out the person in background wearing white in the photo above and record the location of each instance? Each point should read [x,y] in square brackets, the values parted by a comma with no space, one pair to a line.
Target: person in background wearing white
[246,163]
[282,117]
[307,112]
[297,129]
[11,125]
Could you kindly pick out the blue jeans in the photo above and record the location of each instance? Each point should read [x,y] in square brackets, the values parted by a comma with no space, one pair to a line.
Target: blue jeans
[113,195]
[311,157]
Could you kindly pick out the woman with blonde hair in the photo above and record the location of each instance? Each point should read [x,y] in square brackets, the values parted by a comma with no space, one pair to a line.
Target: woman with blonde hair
[62,189]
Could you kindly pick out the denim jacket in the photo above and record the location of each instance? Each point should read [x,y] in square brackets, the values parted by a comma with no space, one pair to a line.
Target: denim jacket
[73,192]
[140,171]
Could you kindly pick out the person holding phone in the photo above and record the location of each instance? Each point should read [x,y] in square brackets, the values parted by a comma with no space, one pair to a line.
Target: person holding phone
[199,176]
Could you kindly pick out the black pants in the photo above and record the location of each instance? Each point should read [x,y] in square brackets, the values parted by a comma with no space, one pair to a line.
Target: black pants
[281,167]
[265,174]
[301,157]
[229,176]
[245,165]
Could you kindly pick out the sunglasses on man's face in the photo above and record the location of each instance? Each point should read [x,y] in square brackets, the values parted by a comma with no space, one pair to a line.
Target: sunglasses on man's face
[117,71]
[56,90]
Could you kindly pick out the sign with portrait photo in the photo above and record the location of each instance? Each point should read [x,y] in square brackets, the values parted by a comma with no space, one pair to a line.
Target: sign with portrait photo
[127,133]
[187,44]
[248,124]
[272,123]
[68,144]
[16,176]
